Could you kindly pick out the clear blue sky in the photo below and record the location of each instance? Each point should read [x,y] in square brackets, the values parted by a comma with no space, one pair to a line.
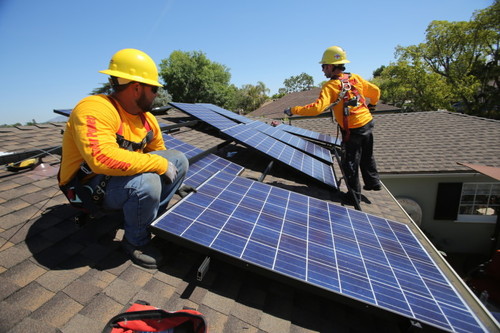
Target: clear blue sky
[51,51]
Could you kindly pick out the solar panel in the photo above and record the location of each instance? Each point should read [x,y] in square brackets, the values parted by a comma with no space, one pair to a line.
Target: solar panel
[203,113]
[204,168]
[293,140]
[279,134]
[64,112]
[309,134]
[227,113]
[284,153]
[337,249]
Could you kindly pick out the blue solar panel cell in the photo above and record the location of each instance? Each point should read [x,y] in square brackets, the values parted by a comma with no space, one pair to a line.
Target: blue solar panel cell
[290,264]
[325,276]
[229,243]
[259,253]
[358,255]
[391,297]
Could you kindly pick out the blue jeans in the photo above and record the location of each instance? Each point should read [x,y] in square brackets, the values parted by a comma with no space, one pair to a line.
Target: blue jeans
[143,196]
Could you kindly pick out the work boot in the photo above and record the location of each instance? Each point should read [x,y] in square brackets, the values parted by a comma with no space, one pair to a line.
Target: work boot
[146,256]
[376,187]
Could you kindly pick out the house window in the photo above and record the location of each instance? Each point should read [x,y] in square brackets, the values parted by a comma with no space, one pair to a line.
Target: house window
[479,202]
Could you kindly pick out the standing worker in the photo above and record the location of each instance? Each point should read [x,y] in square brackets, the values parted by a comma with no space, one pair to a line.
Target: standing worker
[114,156]
[346,93]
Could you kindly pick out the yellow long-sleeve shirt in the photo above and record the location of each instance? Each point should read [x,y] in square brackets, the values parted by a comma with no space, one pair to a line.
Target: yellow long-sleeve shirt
[90,136]
[358,116]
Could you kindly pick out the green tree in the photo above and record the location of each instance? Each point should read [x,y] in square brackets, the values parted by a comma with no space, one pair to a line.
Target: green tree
[281,92]
[411,87]
[105,88]
[162,98]
[250,97]
[192,78]
[301,82]
[378,71]
[457,65]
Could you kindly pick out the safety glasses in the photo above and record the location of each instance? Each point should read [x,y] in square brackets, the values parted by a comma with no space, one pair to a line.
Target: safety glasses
[154,89]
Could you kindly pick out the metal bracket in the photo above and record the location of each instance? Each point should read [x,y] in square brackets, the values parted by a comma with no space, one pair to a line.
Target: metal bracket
[264,174]
[202,270]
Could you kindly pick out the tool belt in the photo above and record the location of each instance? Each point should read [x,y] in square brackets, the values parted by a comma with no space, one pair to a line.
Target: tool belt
[82,195]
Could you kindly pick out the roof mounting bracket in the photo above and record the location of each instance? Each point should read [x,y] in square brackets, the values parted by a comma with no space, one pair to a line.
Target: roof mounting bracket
[266,171]
[202,270]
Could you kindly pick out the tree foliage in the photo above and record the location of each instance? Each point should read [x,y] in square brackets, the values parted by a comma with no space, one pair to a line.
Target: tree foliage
[457,66]
[192,78]
[301,82]
[250,97]
[105,88]
[408,85]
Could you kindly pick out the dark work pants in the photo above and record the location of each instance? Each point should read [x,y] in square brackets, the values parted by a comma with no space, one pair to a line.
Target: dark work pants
[358,154]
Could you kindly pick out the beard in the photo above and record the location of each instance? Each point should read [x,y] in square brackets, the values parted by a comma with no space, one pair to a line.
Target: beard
[144,104]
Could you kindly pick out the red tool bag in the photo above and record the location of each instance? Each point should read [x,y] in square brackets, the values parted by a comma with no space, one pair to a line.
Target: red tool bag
[144,318]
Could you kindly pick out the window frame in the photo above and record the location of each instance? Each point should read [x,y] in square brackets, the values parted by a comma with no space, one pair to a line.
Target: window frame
[494,189]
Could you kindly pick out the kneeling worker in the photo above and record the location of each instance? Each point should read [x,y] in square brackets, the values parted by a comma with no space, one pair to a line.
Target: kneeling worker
[113,150]
[346,94]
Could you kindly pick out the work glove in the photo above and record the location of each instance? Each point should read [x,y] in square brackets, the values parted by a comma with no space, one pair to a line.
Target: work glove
[288,112]
[371,107]
[171,173]
[184,190]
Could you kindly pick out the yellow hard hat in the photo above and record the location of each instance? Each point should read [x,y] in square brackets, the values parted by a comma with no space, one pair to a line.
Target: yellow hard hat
[334,55]
[134,65]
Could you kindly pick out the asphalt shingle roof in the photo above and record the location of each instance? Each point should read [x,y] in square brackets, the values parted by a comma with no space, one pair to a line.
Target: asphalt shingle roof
[434,141]
[56,276]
